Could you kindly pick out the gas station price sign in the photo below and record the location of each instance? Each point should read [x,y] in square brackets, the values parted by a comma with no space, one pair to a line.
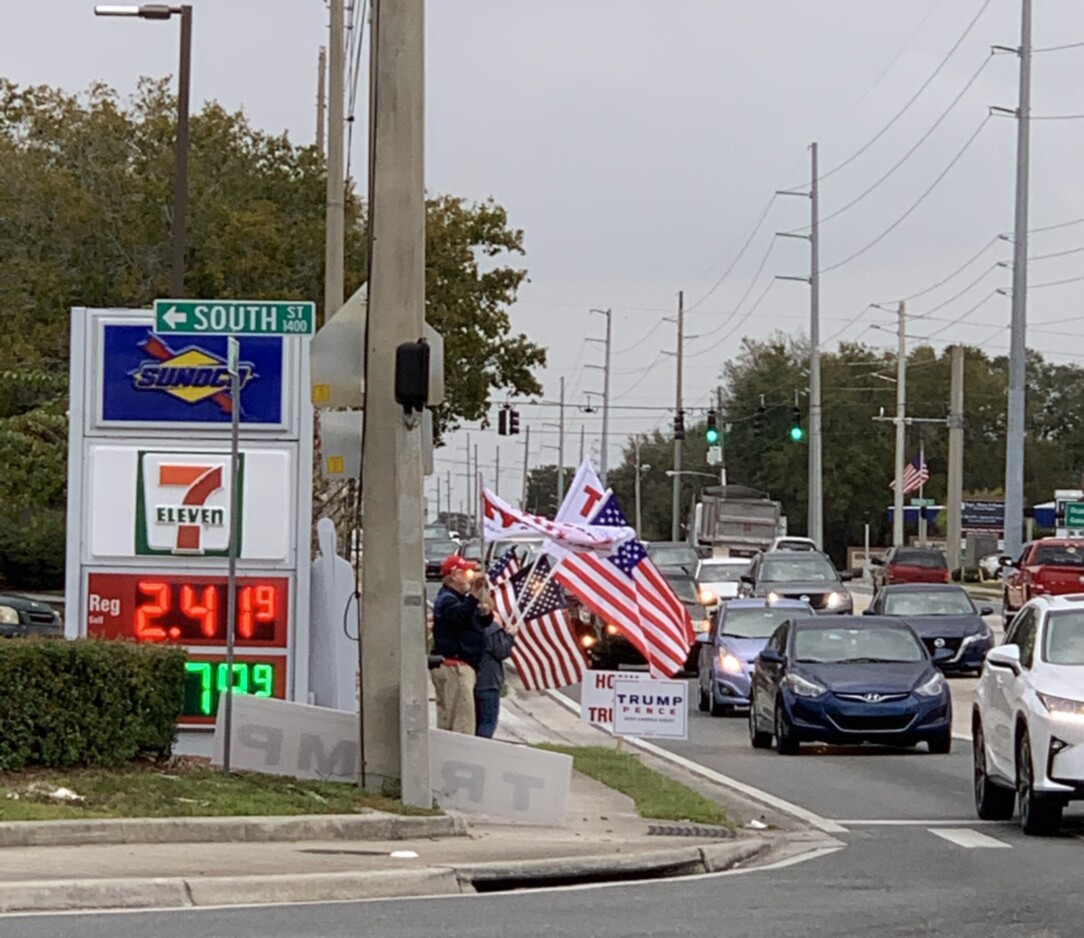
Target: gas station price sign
[187,610]
[207,677]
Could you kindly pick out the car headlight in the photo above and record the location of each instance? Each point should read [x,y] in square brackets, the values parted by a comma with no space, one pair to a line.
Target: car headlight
[802,687]
[612,629]
[707,597]
[933,687]
[9,615]
[1062,708]
[773,597]
[984,636]
[729,662]
[835,600]
[588,641]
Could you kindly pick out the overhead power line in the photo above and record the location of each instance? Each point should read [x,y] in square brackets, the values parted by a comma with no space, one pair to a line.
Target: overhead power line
[899,221]
[1068,45]
[926,84]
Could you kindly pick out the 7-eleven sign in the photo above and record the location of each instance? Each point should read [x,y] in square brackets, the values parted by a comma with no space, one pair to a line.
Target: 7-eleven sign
[183,503]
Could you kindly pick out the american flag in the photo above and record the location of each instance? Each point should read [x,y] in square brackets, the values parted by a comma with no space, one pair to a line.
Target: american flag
[915,475]
[627,590]
[501,520]
[545,652]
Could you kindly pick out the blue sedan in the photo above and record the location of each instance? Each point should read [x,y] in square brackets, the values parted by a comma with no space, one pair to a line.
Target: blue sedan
[852,680]
[741,629]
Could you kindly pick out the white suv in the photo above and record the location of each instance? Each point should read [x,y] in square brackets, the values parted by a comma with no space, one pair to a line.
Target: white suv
[1028,717]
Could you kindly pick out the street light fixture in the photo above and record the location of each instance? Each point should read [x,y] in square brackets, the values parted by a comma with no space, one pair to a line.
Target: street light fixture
[178,235]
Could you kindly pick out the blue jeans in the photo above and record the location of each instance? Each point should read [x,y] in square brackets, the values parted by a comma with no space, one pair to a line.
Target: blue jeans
[487,711]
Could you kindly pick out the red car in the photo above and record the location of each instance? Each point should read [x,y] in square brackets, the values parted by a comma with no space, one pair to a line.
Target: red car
[910,565]
[1051,566]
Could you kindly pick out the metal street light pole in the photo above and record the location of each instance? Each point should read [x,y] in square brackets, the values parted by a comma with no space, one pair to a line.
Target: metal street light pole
[604,453]
[179,233]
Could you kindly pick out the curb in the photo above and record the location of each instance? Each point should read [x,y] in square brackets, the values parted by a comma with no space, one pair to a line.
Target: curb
[375,826]
[182,892]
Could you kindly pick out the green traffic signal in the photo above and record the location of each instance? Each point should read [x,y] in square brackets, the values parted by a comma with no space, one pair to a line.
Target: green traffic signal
[796,434]
[712,435]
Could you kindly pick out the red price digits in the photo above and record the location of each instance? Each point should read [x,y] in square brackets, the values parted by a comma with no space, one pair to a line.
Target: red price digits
[258,604]
[206,610]
[146,613]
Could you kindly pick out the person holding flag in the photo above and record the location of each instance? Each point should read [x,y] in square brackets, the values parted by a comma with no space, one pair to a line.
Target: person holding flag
[462,612]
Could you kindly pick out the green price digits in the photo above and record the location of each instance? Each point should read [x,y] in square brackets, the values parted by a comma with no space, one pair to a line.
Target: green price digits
[206,681]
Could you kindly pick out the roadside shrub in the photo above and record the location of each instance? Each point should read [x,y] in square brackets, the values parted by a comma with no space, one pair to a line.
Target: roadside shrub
[87,702]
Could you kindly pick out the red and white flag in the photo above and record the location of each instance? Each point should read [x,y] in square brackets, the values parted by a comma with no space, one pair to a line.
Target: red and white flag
[501,521]
[915,475]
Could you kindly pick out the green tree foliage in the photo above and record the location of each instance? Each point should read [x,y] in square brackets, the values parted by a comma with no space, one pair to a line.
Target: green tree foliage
[857,382]
[85,220]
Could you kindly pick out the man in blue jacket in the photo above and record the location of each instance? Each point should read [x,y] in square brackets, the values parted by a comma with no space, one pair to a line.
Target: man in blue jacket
[461,614]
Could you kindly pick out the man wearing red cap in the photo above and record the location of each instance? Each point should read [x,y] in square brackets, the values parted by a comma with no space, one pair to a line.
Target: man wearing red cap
[461,613]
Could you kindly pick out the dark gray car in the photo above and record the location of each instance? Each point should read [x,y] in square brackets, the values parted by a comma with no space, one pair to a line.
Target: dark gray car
[807,576]
[22,617]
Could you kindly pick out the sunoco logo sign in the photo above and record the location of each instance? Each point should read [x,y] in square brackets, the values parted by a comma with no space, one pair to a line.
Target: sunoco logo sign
[183,503]
[192,375]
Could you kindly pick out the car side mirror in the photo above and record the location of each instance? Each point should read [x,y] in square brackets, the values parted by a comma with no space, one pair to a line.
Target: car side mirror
[986,611]
[846,576]
[770,656]
[746,579]
[1005,656]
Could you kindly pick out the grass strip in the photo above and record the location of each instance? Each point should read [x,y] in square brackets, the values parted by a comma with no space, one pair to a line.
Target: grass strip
[181,788]
[656,795]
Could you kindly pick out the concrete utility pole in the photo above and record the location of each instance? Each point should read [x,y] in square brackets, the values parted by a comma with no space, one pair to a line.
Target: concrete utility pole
[470,488]
[815,515]
[1014,438]
[901,427]
[675,521]
[561,448]
[639,521]
[955,458]
[321,99]
[816,482]
[526,463]
[393,660]
[583,434]
[448,488]
[336,185]
[497,472]
[477,493]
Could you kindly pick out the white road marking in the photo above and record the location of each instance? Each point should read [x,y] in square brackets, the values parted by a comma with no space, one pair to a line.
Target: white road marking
[903,822]
[963,837]
[757,794]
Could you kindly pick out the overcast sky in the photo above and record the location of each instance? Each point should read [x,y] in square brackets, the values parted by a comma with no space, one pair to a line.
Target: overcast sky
[638,143]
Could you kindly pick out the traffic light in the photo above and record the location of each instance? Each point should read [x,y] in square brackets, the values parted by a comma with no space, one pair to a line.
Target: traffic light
[502,421]
[797,434]
[758,421]
[679,425]
[711,434]
[513,422]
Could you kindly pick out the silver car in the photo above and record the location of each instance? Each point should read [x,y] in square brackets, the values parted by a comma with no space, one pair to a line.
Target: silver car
[718,579]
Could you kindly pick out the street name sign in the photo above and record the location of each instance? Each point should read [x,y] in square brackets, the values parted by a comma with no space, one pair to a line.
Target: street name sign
[234,317]
[1074,515]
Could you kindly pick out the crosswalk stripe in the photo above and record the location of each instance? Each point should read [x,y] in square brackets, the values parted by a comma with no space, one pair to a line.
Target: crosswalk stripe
[965,837]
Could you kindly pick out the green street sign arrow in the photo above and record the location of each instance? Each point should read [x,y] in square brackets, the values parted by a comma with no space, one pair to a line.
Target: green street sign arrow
[234,317]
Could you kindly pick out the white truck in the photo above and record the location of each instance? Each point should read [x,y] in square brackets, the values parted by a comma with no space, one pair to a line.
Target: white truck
[735,521]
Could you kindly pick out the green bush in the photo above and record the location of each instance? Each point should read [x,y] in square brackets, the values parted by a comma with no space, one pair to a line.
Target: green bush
[87,702]
[32,549]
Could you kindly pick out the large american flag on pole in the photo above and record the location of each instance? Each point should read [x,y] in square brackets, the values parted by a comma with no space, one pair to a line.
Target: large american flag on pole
[627,590]
[545,652]
[915,475]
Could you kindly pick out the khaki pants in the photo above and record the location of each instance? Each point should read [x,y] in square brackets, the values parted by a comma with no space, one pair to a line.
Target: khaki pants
[454,684]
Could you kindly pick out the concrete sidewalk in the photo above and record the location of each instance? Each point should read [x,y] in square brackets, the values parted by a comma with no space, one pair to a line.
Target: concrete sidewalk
[603,838]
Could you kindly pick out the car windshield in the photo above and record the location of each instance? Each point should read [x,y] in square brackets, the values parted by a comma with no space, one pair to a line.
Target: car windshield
[797,567]
[472,551]
[673,556]
[684,588]
[867,644]
[435,550]
[928,603]
[1059,555]
[929,559]
[753,623]
[722,572]
[1064,639]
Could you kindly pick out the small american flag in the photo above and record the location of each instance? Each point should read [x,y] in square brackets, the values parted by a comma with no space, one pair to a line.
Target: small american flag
[545,652]
[627,590]
[915,475]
